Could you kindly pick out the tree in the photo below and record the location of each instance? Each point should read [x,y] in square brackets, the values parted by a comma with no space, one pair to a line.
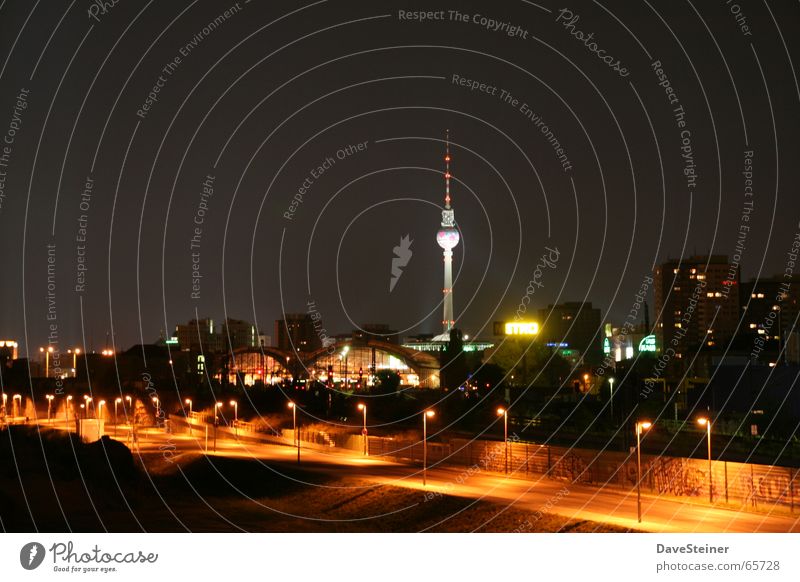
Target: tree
[453,371]
[529,362]
[387,382]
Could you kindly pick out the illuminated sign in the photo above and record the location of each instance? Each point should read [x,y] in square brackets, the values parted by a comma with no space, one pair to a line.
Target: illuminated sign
[522,328]
[606,346]
[648,344]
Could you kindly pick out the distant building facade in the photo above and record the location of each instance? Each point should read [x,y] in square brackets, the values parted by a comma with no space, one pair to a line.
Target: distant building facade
[770,308]
[573,325]
[296,332]
[696,302]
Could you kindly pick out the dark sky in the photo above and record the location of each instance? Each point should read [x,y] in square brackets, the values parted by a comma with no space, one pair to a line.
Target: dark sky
[277,87]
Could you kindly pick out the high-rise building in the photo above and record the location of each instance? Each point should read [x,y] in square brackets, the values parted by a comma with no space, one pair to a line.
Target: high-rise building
[447,238]
[770,306]
[296,332]
[239,334]
[198,335]
[376,331]
[696,302]
[574,325]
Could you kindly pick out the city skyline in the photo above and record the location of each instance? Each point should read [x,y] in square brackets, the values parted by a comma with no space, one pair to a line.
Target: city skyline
[371,267]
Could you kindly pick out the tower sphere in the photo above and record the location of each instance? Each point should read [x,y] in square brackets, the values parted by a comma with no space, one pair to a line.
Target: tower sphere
[447,238]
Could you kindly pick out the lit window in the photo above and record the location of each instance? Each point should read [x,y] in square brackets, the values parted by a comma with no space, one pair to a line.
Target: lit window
[753,326]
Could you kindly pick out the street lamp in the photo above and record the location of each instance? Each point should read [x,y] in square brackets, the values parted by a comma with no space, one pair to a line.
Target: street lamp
[101,404]
[17,405]
[74,353]
[344,356]
[707,423]
[189,420]
[217,406]
[46,353]
[68,409]
[86,401]
[425,416]
[611,396]
[235,416]
[116,420]
[504,413]
[640,427]
[49,407]
[363,408]
[293,406]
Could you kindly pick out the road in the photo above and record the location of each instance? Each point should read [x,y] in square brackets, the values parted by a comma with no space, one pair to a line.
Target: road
[580,502]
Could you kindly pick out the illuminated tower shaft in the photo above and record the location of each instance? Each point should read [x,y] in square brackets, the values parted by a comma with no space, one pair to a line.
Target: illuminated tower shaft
[448,238]
[448,320]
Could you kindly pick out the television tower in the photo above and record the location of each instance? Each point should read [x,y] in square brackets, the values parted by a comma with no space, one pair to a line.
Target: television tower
[448,238]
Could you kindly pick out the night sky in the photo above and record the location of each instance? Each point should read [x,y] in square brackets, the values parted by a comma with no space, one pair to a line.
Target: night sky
[259,97]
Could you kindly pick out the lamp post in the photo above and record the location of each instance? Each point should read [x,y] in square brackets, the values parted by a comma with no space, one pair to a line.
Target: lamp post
[46,353]
[116,419]
[67,409]
[640,427]
[235,416]
[344,357]
[189,420]
[706,422]
[5,400]
[49,407]
[98,414]
[611,396]
[504,413]
[86,400]
[363,408]
[293,406]
[425,416]
[217,406]
[130,407]
[157,405]
[17,405]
